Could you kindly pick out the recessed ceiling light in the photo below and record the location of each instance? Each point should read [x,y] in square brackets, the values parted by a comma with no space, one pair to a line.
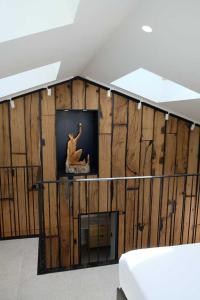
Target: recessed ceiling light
[146,28]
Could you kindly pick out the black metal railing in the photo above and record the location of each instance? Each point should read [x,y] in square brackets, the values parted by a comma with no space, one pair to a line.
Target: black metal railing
[86,222]
[19,215]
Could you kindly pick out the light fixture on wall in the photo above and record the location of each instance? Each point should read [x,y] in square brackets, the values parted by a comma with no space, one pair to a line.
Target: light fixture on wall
[108,93]
[167,116]
[147,28]
[12,103]
[48,91]
[139,106]
[192,127]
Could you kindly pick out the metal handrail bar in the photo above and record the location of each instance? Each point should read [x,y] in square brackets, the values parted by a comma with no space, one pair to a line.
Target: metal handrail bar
[117,178]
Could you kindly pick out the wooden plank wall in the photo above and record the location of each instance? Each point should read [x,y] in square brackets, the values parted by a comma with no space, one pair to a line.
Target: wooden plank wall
[131,142]
[20,147]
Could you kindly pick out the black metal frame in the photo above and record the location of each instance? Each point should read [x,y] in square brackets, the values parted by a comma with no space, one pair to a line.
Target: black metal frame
[169,220]
[139,231]
[98,262]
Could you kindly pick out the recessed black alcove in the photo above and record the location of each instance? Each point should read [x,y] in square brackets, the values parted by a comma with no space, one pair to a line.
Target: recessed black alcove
[68,122]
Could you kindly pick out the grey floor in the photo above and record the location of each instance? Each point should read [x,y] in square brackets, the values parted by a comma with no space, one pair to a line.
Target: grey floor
[19,279]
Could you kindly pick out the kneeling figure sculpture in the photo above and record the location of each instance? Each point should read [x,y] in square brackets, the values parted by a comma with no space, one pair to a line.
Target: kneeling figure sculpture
[73,162]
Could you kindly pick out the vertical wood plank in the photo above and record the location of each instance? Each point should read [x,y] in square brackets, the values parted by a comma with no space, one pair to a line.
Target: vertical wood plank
[147,123]
[133,142]
[120,110]
[181,167]
[145,169]
[118,166]
[157,169]
[191,186]
[158,144]
[104,171]
[48,103]
[48,149]
[63,96]
[92,97]
[172,125]
[18,127]
[78,94]
[32,126]
[182,147]
[130,219]
[76,243]
[167,212]
[92,195]
[105,113]
[64,224]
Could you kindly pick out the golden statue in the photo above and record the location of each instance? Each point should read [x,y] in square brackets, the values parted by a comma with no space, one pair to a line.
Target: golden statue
[73,162]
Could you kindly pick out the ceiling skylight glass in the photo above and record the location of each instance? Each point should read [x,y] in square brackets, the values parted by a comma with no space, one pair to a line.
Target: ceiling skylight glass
[154,87]
[24,17]
[29,79]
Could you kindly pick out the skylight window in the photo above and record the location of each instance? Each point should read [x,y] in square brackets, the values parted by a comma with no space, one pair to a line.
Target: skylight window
[29,79]
[154,87]
[21,17]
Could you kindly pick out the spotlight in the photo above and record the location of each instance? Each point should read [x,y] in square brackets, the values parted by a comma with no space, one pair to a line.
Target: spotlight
[139,106]
[12,103]
[48,91]
[167,116]
[108,93]
[192,127]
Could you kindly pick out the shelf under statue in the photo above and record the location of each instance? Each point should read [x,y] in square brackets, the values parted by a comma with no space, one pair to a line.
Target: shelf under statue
[73,162]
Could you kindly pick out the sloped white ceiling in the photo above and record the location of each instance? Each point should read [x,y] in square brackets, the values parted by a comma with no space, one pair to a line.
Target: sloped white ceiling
[74,45]
[171,50]
[189,108]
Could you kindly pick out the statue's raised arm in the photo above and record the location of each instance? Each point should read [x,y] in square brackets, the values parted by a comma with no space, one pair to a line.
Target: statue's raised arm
[80,132]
